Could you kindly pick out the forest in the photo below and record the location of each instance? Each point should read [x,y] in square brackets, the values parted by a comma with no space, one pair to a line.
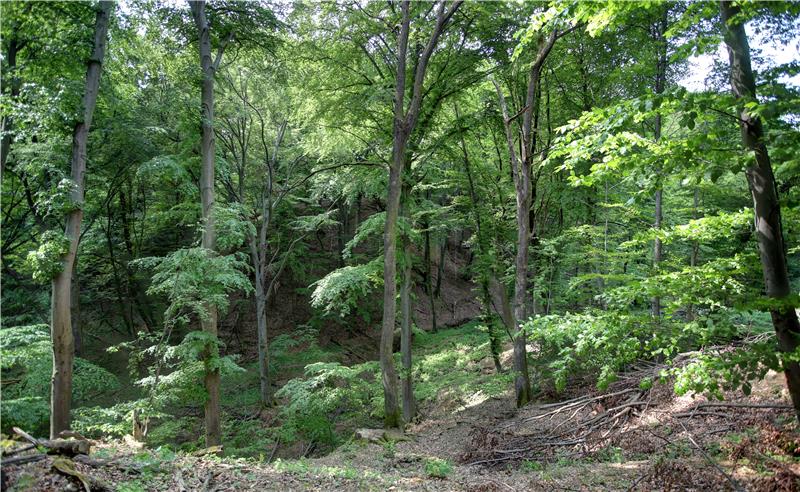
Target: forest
[400,245]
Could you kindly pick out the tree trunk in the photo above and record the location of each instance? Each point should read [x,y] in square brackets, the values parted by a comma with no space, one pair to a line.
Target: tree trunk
[767,211]
[261,322]
[7,122]
[75,309]
[208,241]
[409,407]
[429,278]
[690,311]
[61,327]
[404,122]
[660,82]
[494,340]
[522,384]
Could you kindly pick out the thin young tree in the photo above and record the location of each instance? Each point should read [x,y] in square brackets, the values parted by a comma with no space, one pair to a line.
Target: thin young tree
[520,166]
[60,308]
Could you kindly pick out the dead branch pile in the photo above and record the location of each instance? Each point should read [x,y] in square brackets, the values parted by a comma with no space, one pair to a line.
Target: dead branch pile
[573,427]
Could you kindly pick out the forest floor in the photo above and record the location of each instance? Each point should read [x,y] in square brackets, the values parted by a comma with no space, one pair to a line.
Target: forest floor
[625,438]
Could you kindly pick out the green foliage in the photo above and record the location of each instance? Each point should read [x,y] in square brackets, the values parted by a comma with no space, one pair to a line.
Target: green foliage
[342,290]
[26,361]
[327,394]
[290,353]
[232,227]
[194,278]
[594,342]
[177,378]
[438,468]
[97,421]
[45,263]
[735,369]
[31,413]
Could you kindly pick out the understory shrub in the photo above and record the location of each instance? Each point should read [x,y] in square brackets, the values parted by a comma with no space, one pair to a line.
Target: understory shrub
[27,365]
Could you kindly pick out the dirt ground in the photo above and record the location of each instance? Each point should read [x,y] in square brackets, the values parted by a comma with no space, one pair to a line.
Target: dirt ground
[590,442]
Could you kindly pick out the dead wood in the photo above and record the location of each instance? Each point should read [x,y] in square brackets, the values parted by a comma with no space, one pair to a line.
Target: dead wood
[67,447]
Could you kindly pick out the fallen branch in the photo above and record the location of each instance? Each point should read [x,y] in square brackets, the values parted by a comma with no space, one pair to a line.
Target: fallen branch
[12,452]
[736,485]
[776,406]
[21,460]
[69,447]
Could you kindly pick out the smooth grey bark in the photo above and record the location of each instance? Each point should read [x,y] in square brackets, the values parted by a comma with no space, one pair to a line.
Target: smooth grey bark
[766,206]
[61,316]
[213,432]
[407,387]
[404,122]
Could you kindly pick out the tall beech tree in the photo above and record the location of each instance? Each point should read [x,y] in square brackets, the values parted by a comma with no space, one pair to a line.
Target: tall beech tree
[61,302]
[521,170]
[766,206]
[208,68]
[405,119]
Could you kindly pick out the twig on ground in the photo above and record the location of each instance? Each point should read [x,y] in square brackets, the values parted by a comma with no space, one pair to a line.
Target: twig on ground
[736,485]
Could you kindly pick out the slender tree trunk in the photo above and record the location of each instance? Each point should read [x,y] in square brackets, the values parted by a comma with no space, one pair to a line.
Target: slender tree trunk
[522,384]
[690,312]
[437,291]
[6,125]
[409,406]
[494,340]
[261,322]
[208,240]
[61,327]
[429,277]
[661,78]
[766,206]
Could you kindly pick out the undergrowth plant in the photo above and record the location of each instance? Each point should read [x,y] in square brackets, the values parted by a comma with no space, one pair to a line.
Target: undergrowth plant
[27,366]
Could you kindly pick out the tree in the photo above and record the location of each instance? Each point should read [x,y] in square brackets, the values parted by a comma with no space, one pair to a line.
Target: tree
[521,169]
[61,323]
[763,189]
[405,119]
[208,156]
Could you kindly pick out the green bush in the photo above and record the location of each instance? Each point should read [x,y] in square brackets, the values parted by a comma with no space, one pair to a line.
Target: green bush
[438,468]
[26,359]
[328,393]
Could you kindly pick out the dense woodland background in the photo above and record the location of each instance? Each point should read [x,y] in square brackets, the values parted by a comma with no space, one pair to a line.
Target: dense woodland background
[202,204]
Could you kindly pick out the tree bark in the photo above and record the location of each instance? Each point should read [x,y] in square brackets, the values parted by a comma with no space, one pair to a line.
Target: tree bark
[766,206]
[261,323]
[494,340]
[208,240]
[522,384]
[7,122]
[660,82]
[409,406]
[61,322]
[520,168]
[404,122]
